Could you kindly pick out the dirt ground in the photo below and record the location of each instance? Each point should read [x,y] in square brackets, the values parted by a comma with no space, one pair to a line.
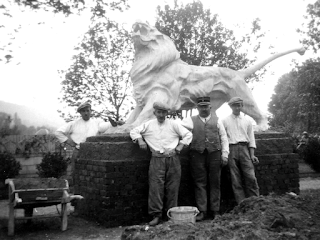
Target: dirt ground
[267,217]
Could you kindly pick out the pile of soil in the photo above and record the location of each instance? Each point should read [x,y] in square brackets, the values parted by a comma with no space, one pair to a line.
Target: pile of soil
[289,216]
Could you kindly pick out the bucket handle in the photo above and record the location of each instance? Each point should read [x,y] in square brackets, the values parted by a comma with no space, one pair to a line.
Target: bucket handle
[196,211]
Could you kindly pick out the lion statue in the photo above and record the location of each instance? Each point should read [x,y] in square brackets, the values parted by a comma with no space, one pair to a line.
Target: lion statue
[158,74]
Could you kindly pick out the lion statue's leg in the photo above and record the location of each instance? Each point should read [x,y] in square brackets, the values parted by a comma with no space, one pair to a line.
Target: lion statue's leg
[134,115]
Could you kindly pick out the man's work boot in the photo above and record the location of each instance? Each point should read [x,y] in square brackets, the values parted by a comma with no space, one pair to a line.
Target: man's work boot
[154,221]
[200,216]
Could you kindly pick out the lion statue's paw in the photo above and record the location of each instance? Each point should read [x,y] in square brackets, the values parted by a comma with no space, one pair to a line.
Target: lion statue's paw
[262,126]
[125,128]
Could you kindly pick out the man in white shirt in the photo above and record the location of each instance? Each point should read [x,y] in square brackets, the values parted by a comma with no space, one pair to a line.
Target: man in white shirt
[75,132]
[209,151]
[162,135]
[241,158]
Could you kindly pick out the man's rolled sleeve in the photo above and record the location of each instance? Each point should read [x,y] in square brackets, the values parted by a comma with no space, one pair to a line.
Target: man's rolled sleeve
[223,139]
[184,133]
[62,132]
[137,132]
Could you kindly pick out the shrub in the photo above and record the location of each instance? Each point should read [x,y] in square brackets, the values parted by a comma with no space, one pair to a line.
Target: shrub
[9,166]
[311,154]
[52,165]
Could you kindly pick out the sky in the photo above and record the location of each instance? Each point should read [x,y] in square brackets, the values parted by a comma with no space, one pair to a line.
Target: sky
[40,50]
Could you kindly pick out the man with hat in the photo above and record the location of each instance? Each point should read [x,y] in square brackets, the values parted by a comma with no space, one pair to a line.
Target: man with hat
[162,136]
[241,158]
[75,132]
[209,151]
[303,141]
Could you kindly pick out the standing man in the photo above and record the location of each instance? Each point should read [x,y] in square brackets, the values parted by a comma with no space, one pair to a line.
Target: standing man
[241,158]
[77,131]
[209,151]
[163,138]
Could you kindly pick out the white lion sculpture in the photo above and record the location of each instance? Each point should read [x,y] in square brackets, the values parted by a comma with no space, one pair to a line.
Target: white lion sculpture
[158,74]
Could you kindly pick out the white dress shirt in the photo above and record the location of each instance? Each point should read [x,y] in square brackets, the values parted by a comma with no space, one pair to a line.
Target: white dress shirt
[239,129]
[164,137]
[79,130]
[188,123]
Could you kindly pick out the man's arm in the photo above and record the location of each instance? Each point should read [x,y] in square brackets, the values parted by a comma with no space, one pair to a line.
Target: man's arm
[254,159]
[252,144]
[224,143]
[136,135]
[63,134]
[185,134]
[187,123]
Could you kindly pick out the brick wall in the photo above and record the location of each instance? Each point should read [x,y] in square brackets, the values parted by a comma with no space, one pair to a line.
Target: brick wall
[112,175]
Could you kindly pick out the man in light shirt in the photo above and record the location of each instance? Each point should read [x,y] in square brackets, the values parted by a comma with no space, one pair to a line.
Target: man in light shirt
[75,132]
[241,158]
[162,135]
[209,151]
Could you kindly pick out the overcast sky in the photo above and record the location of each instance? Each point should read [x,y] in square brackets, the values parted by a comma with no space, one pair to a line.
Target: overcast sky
[43,49]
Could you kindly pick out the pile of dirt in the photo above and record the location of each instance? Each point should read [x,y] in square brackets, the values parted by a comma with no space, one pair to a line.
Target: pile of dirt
[266,217]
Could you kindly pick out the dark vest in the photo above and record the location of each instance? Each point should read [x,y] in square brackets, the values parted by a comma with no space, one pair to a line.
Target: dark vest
[205,135]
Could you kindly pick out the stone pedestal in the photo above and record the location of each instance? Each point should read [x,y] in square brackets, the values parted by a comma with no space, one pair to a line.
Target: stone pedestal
[112,175]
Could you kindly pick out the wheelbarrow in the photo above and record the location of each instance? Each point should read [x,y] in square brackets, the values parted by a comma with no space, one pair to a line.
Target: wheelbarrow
[33,193]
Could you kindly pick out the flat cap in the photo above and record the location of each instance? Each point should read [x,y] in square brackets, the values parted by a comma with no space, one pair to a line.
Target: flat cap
[83,105]
[235,100]
[305,133]
[203,100]
[161,106]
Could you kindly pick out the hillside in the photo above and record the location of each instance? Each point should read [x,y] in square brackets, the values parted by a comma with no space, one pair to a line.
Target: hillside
[32,116]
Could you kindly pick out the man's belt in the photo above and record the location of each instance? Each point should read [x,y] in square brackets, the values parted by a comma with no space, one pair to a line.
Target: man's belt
[241,143]
[164,155]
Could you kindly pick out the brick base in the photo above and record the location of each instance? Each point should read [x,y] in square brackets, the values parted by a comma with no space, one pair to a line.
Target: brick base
[112,175]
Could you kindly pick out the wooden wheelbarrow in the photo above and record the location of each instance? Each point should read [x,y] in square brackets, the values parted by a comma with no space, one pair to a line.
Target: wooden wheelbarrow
[33,193]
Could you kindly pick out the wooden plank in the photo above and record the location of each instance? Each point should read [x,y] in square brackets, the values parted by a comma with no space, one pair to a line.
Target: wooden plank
[40,190]
[11,220]
[64,215]
[38,217]
[39,183]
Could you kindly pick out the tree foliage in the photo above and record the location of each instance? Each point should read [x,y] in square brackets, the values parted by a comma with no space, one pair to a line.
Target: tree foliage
[295,105]
[52,165]
[9,166]
[202,39]
[98,8]
[312,29]
[100,71]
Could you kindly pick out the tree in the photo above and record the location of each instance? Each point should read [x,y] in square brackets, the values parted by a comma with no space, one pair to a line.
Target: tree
[311,31]
[100,71]
[296,103]
[9,9]
[202,39]
[284,103]
[6,126]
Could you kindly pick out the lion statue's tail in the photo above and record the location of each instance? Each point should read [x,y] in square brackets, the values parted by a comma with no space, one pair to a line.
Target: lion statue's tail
[249,71]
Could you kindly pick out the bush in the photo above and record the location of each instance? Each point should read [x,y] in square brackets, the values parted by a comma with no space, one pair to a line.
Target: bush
[52,165]
[9,166]
[311,154]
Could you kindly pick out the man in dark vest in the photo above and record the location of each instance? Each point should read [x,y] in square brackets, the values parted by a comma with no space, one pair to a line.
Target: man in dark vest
[209,151]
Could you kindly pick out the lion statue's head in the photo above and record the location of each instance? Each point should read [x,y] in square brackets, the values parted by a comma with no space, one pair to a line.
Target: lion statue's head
[153,50]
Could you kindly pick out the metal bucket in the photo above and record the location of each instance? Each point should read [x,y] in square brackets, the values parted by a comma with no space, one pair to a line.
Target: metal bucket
[184,214]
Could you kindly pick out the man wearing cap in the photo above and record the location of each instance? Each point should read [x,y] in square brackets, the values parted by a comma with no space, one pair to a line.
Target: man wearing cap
[162,136]
[303,141]
[209,151]
[241,158]
[75,132]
